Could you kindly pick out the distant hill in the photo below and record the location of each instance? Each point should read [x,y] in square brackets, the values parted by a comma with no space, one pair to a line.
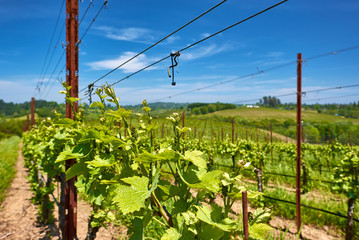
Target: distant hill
[281,115]
[317,127]
[43,108]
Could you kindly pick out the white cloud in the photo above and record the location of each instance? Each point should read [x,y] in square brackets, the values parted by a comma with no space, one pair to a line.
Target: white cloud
[5,83]
[135,34]
[274,54]
[134,65]
[205,51]
[204,35]
[172,39]
[131,34]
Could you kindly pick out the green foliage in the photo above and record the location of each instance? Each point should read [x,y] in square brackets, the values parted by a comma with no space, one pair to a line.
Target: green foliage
[11,127]
[204,108]
[346,175]
[128,173]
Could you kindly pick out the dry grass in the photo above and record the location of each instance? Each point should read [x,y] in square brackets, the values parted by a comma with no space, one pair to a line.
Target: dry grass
[255,114]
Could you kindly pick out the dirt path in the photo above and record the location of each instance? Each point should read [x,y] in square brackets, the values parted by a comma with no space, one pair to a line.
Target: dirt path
[18,214]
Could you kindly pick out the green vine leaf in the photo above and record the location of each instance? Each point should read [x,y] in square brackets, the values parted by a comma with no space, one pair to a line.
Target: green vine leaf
[171,234]
[209,216]
[68,154]
[102,161]
[209,232]
[132,198]
[76,169]
[195,158]
[259,231]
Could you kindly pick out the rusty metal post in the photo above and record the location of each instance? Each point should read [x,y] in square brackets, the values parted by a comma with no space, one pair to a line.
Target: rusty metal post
[72,18]
[26,125]
[299,145]
[32,112]
[245,215]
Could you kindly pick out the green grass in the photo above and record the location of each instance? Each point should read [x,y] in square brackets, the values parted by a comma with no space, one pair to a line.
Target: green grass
[8,155]
[256,114]
[20,118]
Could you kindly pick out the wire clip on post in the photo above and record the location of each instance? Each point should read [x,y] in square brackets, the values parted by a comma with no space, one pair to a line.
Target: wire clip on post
[90,89]
[174,57]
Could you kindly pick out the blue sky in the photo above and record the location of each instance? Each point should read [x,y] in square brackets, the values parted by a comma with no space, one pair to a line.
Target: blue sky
[127,27]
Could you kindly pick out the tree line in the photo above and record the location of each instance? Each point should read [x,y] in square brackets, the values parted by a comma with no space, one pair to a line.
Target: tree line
[204,108]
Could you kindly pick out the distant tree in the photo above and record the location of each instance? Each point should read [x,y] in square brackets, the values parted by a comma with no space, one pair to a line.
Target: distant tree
[311,134]
[268,101]
[196,111]
[212,108]
[204,110]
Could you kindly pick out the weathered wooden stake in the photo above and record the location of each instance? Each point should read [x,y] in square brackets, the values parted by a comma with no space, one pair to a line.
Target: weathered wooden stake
[245,215]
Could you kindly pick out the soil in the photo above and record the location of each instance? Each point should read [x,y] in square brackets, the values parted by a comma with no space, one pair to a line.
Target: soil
[18,218]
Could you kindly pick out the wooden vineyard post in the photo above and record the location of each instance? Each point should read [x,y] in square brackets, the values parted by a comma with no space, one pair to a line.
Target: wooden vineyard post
[32,112]
[195,132]
[299,146]
[245,215]
[72,24]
